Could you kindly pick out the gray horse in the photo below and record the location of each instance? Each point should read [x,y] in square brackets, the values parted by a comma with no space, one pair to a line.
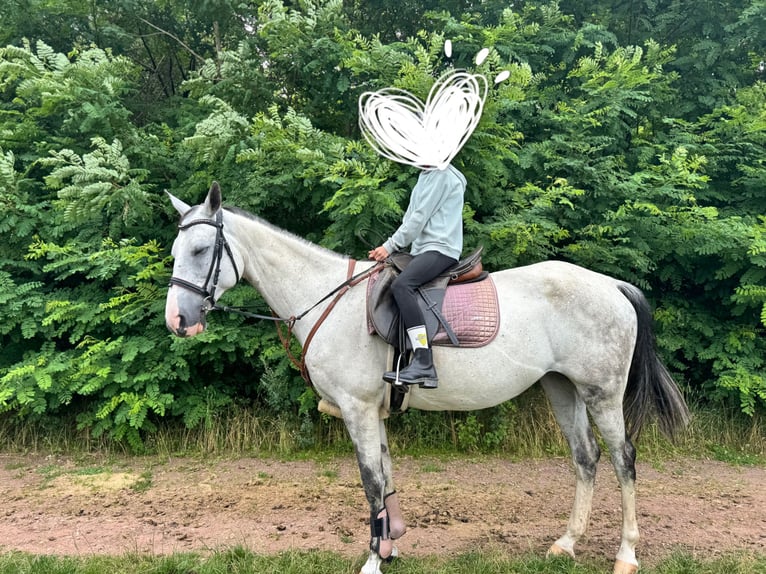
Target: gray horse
[585,337]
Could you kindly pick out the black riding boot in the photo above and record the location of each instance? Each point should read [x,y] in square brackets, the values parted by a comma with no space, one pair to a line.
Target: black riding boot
[420,371]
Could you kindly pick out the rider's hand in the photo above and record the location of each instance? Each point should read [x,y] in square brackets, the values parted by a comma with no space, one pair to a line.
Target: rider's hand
[378,254]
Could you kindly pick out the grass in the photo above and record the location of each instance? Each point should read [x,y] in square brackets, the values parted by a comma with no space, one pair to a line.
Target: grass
[431,467]
[522,428]
[143,483]
[241,561]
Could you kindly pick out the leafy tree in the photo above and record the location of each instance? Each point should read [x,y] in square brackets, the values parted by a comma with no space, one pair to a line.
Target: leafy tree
[629,138]
[82,267]
[394,20]
[718,44]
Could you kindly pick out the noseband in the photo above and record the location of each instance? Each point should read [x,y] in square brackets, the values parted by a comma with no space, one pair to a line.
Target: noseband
[208,293]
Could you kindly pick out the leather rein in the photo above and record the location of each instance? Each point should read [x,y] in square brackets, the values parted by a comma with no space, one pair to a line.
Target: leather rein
[208,293]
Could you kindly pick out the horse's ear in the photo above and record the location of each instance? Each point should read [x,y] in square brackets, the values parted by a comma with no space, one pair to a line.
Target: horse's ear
[213,200]
[180,206]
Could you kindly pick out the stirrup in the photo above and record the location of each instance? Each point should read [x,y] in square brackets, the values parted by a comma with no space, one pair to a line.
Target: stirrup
[395,380]
[420,371]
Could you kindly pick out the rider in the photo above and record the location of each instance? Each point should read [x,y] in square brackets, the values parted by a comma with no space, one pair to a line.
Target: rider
[433,228]
[428,136]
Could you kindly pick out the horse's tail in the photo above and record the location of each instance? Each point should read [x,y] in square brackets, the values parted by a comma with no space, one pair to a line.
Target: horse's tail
[651,389]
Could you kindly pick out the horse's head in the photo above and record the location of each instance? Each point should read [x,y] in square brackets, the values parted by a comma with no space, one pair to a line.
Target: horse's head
[205,265]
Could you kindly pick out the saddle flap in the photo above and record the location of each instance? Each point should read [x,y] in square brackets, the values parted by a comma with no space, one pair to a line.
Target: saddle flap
[382,312]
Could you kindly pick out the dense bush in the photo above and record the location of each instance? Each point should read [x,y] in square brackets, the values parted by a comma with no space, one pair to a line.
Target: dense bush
[631,150]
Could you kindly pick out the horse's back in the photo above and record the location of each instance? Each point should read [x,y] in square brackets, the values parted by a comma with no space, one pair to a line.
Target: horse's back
[554,272]
[557,287]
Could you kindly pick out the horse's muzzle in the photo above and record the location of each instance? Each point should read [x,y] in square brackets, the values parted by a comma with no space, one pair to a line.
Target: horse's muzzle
[183,323]
[179,327]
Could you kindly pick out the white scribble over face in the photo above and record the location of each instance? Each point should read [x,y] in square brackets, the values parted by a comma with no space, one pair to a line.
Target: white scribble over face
[402,128]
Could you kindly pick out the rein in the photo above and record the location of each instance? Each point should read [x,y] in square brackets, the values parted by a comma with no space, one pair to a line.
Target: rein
[338,292]
[350,282]
[208,292]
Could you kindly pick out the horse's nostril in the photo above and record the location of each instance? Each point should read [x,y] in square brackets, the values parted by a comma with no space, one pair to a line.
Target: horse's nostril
[181,329]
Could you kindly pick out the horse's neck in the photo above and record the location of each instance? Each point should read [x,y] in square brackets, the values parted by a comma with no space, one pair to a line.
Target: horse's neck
[290,273]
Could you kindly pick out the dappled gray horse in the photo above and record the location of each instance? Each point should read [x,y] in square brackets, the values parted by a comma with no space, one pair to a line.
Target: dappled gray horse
[585,337]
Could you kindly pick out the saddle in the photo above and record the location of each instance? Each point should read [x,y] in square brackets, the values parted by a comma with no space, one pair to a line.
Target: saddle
[470,317]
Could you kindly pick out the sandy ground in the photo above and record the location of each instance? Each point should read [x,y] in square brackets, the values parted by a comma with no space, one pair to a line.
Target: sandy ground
[56,505]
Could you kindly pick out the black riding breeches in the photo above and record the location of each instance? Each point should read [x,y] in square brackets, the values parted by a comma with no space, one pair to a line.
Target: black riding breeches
[420,270]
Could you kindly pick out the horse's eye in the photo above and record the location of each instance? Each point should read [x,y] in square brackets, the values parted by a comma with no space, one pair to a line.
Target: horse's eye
[200,250]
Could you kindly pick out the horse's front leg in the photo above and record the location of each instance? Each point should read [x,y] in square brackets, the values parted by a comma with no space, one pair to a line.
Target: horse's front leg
[369,438]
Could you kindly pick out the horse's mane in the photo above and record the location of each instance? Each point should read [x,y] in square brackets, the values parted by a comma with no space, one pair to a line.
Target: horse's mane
[246,214]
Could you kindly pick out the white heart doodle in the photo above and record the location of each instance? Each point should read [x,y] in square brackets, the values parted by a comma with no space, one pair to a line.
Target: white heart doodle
[401,128]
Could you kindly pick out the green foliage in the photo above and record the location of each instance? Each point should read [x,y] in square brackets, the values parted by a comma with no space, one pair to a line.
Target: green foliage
[58,101]
[285,170]
[242,561]
[629,138]
[99,189]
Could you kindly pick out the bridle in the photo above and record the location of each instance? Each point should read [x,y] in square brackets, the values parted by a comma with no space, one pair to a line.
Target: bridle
[211,281]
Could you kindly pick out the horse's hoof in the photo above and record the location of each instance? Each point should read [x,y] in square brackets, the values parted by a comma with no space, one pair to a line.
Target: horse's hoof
[622,567]
[556,550]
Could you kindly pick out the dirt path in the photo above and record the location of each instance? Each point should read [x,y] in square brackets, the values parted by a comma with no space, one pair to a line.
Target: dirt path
[54,505]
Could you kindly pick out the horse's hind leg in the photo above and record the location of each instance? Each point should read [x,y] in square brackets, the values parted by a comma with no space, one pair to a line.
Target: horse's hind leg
[608,415]
[571,414]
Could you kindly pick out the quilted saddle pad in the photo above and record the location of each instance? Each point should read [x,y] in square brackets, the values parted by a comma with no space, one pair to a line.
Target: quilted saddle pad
[471,309]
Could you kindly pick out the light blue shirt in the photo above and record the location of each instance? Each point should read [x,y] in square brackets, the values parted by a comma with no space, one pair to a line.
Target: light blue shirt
[434,218]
